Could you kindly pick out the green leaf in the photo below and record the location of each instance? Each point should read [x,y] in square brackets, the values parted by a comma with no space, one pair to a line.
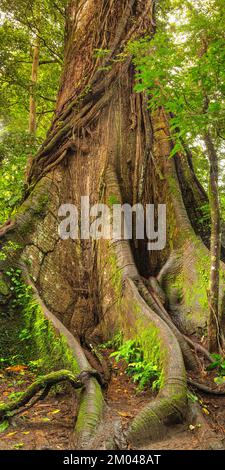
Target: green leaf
[4,425]
[219,380]
[177,148]
[212,366]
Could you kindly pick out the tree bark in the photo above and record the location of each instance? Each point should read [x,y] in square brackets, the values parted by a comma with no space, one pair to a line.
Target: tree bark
[105,143]
[215,247]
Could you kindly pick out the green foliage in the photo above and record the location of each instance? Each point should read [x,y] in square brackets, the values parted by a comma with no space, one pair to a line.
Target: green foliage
[9,249]
[128,351]
[15,148]
[182,70]
[35,366]
[220,380]
[205,211]
[9,361]
[218,364]
[4,425]
[113,343]
[42,348]
[22,21]
[192,397]
[142,371]
[14,395]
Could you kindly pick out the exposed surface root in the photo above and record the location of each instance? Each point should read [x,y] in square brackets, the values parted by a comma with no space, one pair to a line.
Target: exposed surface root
[6,227]
[42,384]
[204,388]
[154,302]
[91,401]
[170,404]
[198,347]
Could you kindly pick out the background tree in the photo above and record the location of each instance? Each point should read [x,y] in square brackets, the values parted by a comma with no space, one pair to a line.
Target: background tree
[26,104]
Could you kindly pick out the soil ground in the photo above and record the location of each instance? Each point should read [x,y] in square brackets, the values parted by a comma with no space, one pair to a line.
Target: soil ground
[49,424]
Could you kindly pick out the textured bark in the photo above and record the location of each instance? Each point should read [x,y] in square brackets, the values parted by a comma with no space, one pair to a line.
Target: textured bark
[105,142]
[215,247]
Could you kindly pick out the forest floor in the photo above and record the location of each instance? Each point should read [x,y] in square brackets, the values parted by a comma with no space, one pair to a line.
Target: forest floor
[50,423]
[47,425]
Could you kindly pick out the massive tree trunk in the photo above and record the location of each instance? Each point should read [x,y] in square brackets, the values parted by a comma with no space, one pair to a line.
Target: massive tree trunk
[104,142]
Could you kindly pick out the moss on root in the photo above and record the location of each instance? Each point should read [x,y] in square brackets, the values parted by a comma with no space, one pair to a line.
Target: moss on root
[4,288]
[46,340]
[38,337]
[89,413]
[160,348]
[33,207]
[138,321]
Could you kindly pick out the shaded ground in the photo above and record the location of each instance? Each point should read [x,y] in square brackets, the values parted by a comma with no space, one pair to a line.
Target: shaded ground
[125,401]
[49,424]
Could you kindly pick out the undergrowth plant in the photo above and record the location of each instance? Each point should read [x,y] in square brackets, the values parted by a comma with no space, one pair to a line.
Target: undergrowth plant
[43,350]
[219,366]
[142,372]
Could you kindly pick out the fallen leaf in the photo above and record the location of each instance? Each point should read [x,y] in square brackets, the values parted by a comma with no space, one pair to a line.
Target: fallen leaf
[205,411]
[45,420]
[219,380]
[124,414]
[18,368]
[18,445]
[26,432]
[10,434]
[54,412]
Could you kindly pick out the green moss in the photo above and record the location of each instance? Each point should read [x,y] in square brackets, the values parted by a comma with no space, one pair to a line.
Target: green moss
[4,289]
[41,204]
[52,349]
[175,284]
[34,206]
[82,414]
[195,293]
[38,338]
[87,421]
[112,199]
[115,276]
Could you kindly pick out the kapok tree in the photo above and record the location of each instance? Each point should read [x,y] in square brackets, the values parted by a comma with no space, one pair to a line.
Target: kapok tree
[105,143]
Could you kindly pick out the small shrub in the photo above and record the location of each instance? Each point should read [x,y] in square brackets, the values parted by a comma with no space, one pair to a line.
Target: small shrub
[219,366]
[142,372]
